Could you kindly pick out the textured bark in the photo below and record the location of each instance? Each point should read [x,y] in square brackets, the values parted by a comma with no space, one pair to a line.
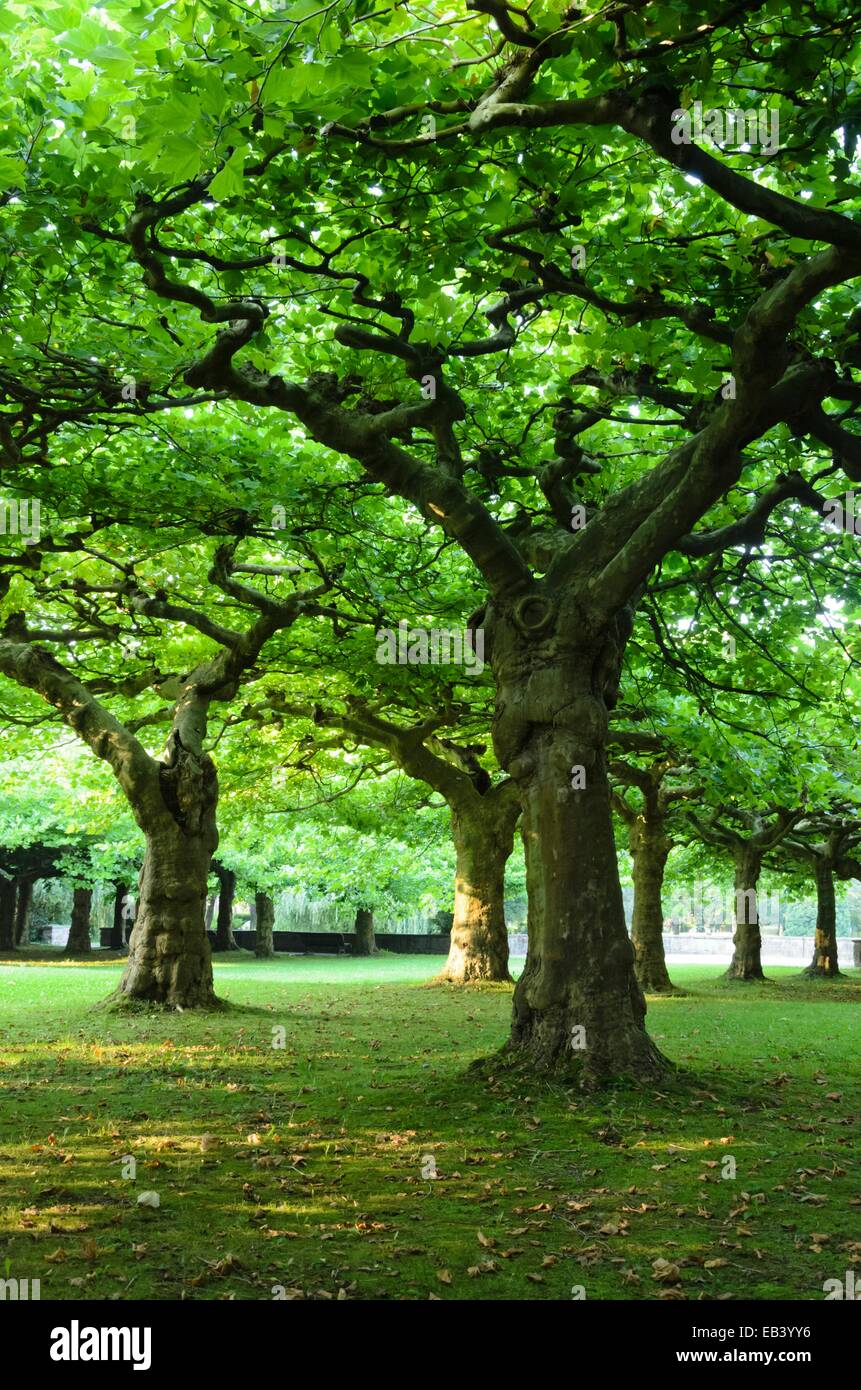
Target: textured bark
[483,832]
[173,798]
[224,938]
[7,914]
[746,961]
[211,899]
[79,932]
[364,930]
[649,850]
[264,909]
[824,963]
[22,910]
[169,957]
[578,1009]
[484,816]
[117,941]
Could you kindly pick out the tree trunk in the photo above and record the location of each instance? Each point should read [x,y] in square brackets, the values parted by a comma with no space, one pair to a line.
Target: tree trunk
[824,964]
[265,911]
[169,960]
[649,850]
[364,929]
[224,938]
[578,1009]
[22,911]
[747,942]
[117,941]
[169,957]
[8,894]
[483,833]
[79,932]
[211,899]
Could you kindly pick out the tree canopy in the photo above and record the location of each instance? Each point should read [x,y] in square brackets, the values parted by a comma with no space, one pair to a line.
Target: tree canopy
[537,324]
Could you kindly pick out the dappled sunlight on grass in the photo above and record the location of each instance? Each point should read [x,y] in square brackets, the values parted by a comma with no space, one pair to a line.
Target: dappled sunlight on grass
[311,1164]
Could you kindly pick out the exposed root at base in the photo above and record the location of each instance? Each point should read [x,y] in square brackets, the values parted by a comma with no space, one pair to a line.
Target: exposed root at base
[574,1072]
[445,979]
[728,979]
[122,1003]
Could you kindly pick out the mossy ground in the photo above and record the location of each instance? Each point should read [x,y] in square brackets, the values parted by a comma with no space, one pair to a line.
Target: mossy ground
[306,1167]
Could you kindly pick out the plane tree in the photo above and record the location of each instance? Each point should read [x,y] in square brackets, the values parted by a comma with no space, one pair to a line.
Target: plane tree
[516,199]
[825,843]
[342,830]
[483,817]
[105,599]
[747,662]
[427,713]
[646,792]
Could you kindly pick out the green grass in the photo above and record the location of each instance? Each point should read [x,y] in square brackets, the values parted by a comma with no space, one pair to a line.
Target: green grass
[302,1167]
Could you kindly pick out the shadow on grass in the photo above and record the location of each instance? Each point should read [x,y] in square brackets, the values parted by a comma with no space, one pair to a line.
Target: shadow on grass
[813,989]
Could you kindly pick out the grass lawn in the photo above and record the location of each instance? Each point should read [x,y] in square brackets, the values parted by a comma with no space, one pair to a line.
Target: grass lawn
[302,1166]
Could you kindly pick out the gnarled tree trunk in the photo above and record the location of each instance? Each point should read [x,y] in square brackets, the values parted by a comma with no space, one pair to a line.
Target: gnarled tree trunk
[364,930]
[746,961]
[577,1006]
[578,1009]
[649,850]
[265,911]
[169,957]
[8,893]
[22,910]
[824,963]
[224,938]
[79,932]
[483,831]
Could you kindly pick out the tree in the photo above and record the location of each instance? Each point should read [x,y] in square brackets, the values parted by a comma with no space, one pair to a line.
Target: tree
[511,155]
[265,910]
[79,932]
[650,843]
[22,909]
[118,921]
[173,798]
[224,938]
[364,929]
[747,836]
[7,913]
[823,843]
[484,815]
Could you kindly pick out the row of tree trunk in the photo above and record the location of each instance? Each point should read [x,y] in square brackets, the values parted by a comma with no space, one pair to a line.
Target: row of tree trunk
[650,852]
[479,937]
[16,897]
